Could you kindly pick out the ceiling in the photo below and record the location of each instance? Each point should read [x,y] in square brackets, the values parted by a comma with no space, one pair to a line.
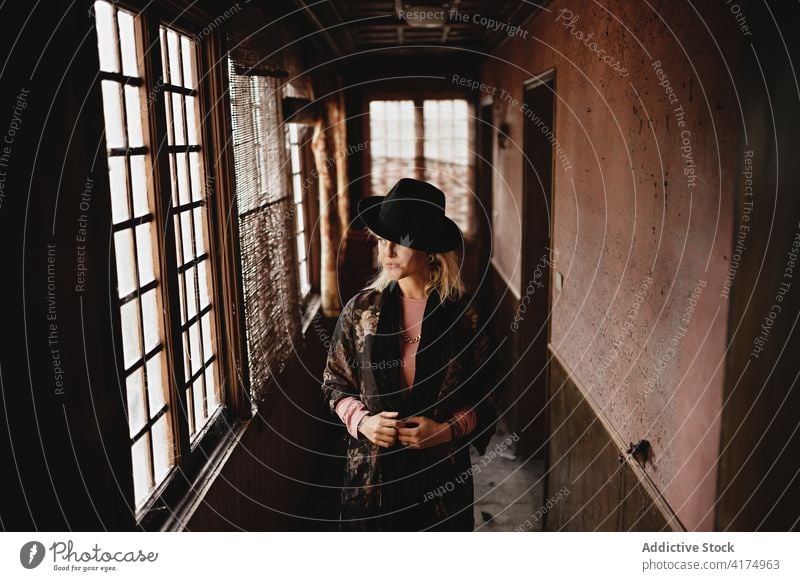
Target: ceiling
[351,26]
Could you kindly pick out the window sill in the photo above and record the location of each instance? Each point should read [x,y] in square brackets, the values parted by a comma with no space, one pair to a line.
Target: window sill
[188,505]
[310,310]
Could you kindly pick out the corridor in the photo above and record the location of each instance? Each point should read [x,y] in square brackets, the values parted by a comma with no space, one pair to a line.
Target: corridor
[179,197]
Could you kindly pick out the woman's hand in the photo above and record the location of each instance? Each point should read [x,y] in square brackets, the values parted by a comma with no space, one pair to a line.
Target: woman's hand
[419,432]
[380,429]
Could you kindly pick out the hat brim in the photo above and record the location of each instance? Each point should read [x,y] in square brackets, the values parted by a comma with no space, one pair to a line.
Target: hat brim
[443,237]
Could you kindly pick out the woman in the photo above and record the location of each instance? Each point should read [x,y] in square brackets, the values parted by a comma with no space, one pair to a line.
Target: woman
[410,373]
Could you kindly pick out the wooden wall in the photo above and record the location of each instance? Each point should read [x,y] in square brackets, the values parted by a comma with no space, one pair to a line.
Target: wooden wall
[286,471]
[601,489]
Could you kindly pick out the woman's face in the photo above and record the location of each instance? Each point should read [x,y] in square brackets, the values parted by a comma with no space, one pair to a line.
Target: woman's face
[401,261]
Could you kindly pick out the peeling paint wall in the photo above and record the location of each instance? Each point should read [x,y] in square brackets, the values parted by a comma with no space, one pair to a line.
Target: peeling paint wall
[644,247]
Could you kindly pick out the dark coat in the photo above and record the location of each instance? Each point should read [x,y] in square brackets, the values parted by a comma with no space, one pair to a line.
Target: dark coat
[398,488]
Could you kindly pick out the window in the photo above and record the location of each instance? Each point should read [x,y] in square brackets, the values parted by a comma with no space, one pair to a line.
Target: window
[392,143]
[164,408]
[269,246]
[446,154]
[299,208]
[438,152]
[190,218]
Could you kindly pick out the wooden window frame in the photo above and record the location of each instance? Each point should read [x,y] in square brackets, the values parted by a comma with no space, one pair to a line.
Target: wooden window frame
[310,194]
[312,216]
[419,97]
[173,502]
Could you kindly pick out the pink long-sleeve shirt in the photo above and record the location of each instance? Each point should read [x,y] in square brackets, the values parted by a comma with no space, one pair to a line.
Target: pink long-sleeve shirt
[352,410]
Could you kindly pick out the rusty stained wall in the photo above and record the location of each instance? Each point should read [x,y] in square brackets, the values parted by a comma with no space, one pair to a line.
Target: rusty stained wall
[626,220]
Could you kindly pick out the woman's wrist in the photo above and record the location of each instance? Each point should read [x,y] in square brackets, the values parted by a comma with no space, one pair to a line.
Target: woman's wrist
[452,429]
[461,423]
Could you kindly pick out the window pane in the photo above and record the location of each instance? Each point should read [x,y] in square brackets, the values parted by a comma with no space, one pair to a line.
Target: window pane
[118,185]
[142,479]
[134,386]
[199,232]
[139,180]
[195,171]
[196,355]
[162,448]
[301,247]
[151,316]
[128,44]
[392,143]
[164,54]
[156,382]
[144,248]
[174,59]
[131,340]
[191,121]
[198,395]
[297,185]
[186,237]
[212,386]
[187,54]
[208,349]
[304,284]
[205,283]
[190,410]
[177,119]
[446,149]
[170,124]
[191,299]
[178,247]
[112,113]
[133,109]
[126,275]
[173,180]
[183,178]
[187,363]
[106,37]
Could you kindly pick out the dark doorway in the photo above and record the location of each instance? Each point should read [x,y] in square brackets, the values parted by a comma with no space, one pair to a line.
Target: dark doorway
[532,316]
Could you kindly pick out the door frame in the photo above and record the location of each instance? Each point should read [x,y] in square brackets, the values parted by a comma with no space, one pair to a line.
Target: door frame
[533,347]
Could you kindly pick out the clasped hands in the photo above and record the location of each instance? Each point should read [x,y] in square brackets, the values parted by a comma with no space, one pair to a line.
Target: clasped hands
[415,432]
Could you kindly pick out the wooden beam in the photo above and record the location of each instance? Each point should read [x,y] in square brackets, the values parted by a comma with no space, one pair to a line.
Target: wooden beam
[447,27]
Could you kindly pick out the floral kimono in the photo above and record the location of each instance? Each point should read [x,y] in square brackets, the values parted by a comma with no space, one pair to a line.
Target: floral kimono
[399,488]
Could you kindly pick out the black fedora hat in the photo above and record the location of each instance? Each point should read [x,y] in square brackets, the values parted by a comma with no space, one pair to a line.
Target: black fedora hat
[411,214]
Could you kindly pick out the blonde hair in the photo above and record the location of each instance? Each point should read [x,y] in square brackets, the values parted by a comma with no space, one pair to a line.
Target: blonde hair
[445,275]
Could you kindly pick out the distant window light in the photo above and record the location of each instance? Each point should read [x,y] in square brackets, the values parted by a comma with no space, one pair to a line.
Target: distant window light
[299,201]
[443,146]
[446,150]
[393,143]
